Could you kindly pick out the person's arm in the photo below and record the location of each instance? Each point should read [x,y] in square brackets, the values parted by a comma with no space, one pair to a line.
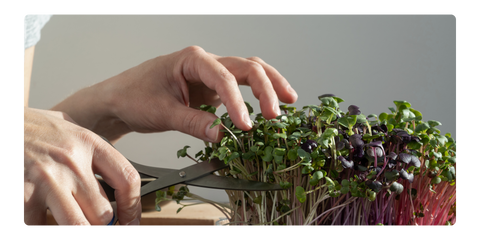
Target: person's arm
[60,159]
[27,70]
[91,109]
[161,94]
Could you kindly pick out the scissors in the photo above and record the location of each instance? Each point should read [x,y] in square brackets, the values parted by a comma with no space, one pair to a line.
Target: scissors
[200,175]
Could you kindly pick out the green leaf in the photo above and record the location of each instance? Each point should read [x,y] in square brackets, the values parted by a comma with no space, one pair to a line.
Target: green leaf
[180,209]
[302,154]
[433,129]
[437,154]
[449,175]
[249,108]
[371,195]
[329,101]
[407,115]
[436,180]
[332,110]
[316,176]
[369,137]
[452,160]
[215,123]
[279,125]
[208,108]
[267,157]
[248,155]
[330,132]
[285,185]
[300,194]
[161,194]
[329,181]
[414,145]
[361,118]
[391,175]
[295,136]
[400,103]
[279,135]
[344,190]
[307,169]
[234,155]
[442,140]
[227,122]
[339,100]
[171,190]
[292,154]
[281,167]
[344,122]
[422,127]
[182,152]
[383,117]
[434,123]
[418,115]
[279,151]
[278,159]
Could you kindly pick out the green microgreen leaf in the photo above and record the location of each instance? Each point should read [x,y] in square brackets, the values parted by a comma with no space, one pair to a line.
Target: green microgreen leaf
[182,152]
[300,194]
[215,123]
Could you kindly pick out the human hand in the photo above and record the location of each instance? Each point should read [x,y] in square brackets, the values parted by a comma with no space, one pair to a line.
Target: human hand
[161,94]
[60,159]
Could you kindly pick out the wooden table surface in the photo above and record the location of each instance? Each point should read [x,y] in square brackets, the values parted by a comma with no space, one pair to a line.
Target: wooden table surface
[201,214]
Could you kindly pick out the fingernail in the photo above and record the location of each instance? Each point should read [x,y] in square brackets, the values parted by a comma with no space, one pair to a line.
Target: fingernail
[134,222]
[247,120]
[212,133]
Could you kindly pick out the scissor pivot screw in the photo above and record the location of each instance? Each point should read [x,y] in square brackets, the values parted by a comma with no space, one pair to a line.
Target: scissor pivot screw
[182,174]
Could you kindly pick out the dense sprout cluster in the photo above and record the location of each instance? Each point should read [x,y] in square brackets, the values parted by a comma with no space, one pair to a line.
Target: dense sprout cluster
[332,162]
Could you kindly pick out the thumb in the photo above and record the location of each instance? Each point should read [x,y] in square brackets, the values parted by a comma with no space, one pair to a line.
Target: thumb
[196,123]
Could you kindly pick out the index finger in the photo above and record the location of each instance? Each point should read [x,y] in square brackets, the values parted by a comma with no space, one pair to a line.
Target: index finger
[201,66]
[121,176]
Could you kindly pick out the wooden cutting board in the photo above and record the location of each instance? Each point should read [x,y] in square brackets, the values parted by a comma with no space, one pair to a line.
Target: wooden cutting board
[201,214]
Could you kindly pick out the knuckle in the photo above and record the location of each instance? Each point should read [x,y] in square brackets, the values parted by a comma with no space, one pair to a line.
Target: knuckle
[86,136]
[194,50]
[191,123]
[256,59]
[132,177]
[255,66]
[225,74]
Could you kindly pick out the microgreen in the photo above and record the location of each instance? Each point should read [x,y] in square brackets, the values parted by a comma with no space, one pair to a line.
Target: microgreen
[338,167]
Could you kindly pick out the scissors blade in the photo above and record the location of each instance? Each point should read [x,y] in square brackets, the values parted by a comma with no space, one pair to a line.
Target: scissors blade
[219,182]
[183,175]
[151,171]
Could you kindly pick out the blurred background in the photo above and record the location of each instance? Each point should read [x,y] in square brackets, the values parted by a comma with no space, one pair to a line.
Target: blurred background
[369,61]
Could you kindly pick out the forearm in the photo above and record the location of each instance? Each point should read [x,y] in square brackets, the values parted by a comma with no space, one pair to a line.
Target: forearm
[92,108]
[27,73]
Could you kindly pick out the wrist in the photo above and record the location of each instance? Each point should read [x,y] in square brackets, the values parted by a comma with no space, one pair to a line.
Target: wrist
[108,107]
[94,108]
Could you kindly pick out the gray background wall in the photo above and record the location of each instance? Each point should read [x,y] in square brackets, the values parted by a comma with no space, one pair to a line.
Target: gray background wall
[369,61]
